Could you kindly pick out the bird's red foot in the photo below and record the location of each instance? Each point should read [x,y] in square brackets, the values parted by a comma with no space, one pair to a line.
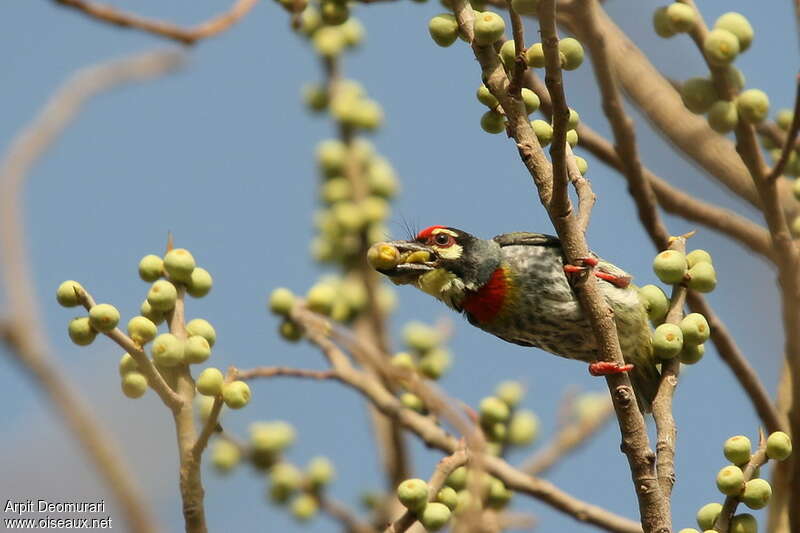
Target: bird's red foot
[619,281]
[604,368]
[583,264]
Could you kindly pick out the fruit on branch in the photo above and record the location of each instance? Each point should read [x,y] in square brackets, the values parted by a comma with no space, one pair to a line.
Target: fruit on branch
[281,301]
[738,25]
[403,360]
[489,27]
[721,47]
[457,479]
[413,494]
[334,12]
[753,105]
[134,384]
[434,363]
[375,209]
[315,97]
[448,496]
[290,331]
[523,428]
[493,122]
[572,138]
[81,331]
[142,330]
[508,54]
[698,94]
[486,97]
[730,480]
[526,7]
[331,157]
[493,410]
[708,514]
[670,266]
[285,479]
[572,53]
[662,24]
[498,284]
[531,100]
[167,350]
[691,353]
[680,17]
[698,256]
[179,264]
[655,302]
[543,131]
[744,523]
[435,516]
[412,401]
[723,116]
[783,119]
[443,29]
[510,392]
[196,350]
[737,450]
[499,495]
[757,493]
[127,364]
[209,382]
[103,317]
[702,277]
[421,337]
[328,41]
[151,267]
[534,56]
[162,295]
[147,311]
[353,32]
[236,394]
[779,446]
[574,119]
[202,327]
[199,283]
[695,328]
[320,298]
[735,77]
[667,341]
[320,472]
[225,456]
[304,507]
[582,164]
[66,295]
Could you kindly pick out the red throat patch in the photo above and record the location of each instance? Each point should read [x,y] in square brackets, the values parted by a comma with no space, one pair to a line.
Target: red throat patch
[486,303]
[424,234]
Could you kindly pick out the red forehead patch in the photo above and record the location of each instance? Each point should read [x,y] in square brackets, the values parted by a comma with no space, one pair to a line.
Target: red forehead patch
[424,234]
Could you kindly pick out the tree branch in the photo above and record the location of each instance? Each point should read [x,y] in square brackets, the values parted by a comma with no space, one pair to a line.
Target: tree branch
[25,335]
[188,36]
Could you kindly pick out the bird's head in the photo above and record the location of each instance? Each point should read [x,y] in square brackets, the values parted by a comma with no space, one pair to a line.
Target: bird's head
[444,262]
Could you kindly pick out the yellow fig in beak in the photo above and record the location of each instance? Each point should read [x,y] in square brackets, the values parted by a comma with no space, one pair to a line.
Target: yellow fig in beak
[383,256]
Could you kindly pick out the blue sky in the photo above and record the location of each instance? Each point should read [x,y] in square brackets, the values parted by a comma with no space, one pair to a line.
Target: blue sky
[221,154]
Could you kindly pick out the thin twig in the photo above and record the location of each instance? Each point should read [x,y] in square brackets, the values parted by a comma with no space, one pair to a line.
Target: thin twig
[443,469]
[672,199]
[209,427]
[338,511]
[188,36]
[567,439]
[520,64]
[275,371]
[666,432]
[27,338]
[791,137]
[154,378]
[758,459]
[436,437]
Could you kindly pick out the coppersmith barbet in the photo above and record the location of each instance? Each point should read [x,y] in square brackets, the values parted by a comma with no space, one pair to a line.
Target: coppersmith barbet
[516,286]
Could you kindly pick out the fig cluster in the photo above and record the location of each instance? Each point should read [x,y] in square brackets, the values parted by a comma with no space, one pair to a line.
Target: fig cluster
[426,355]
[732,481]
[505,425]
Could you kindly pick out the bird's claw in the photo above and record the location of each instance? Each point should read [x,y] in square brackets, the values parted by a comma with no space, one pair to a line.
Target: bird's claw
[605,368]
[585,264]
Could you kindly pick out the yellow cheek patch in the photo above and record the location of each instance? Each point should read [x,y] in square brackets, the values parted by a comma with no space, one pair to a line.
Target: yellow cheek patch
[451,252]
[435,281]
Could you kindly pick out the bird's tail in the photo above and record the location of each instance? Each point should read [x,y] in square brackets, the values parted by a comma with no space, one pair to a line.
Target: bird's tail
[645,378]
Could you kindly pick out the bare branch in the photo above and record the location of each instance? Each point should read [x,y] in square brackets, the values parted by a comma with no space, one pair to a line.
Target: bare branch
[188,36]
[25,334]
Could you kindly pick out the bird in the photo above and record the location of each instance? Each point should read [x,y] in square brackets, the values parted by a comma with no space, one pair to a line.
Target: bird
[517,287]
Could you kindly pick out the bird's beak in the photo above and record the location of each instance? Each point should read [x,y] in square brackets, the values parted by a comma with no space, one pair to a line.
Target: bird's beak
[402,261]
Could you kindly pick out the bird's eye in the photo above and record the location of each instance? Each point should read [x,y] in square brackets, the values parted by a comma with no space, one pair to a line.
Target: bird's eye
[442,239]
